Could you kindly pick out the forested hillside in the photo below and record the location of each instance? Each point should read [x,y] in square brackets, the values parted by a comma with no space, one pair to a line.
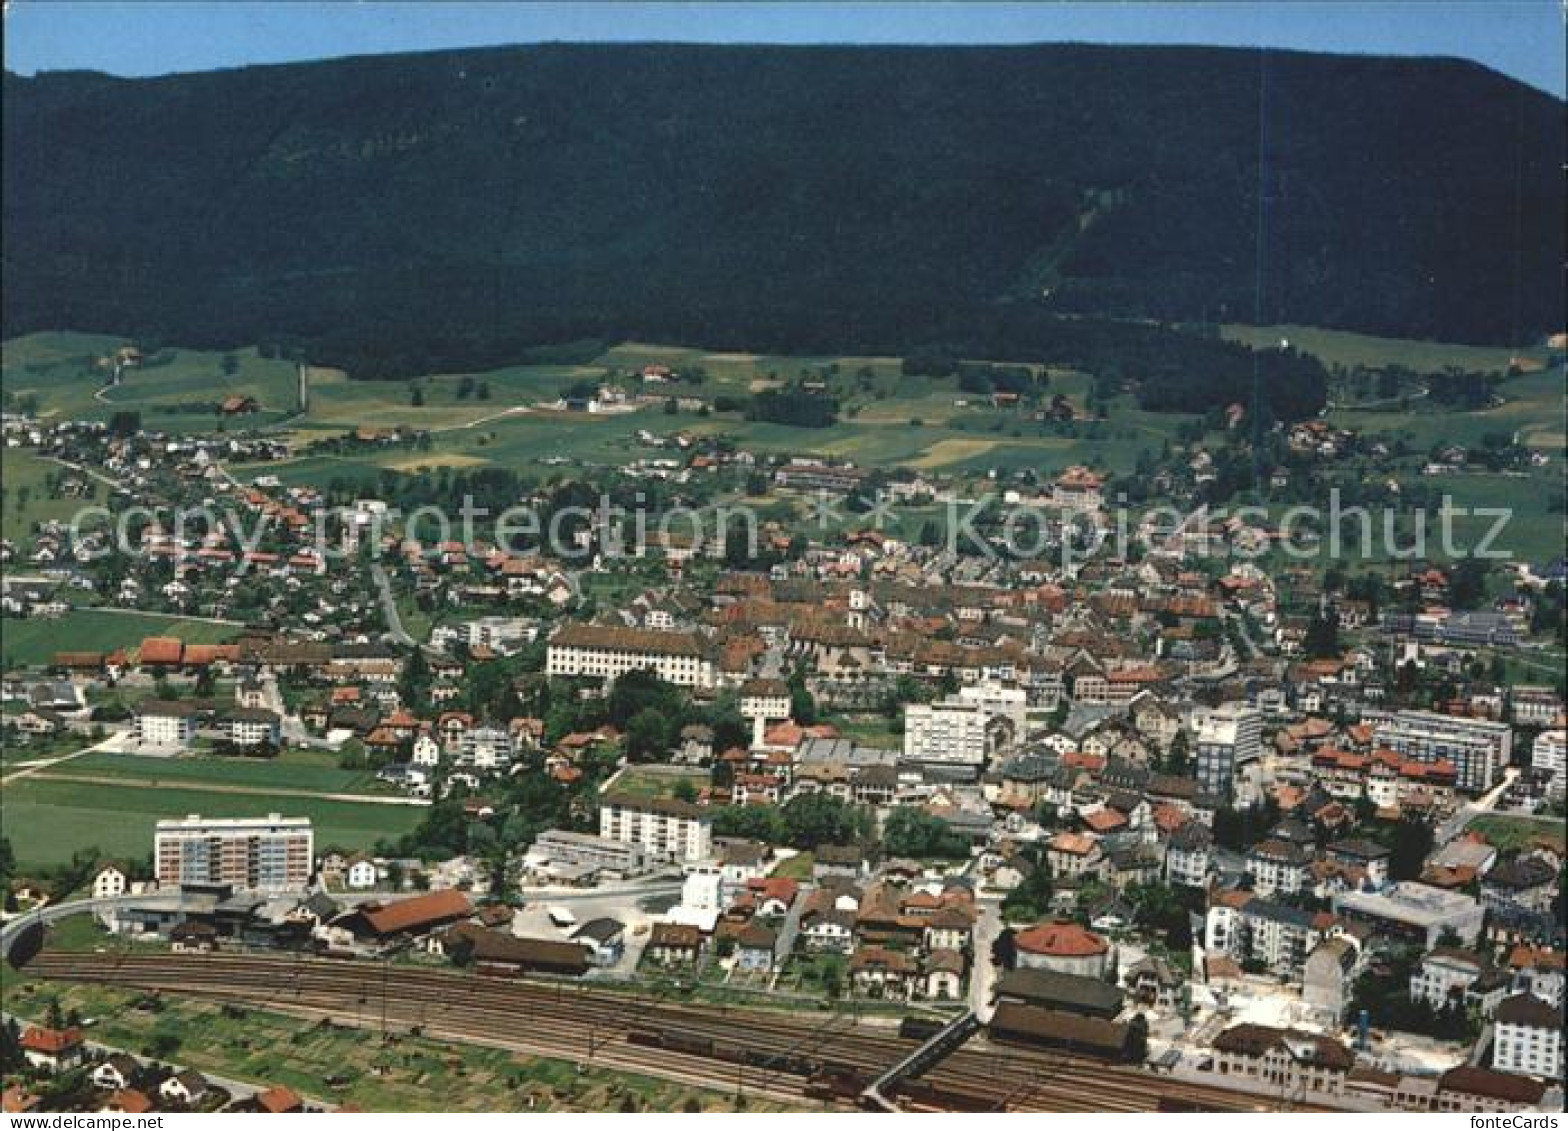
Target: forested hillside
[398,213]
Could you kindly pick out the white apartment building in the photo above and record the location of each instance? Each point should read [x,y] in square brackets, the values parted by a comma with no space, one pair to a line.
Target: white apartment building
[1275,934]
[272,853]
[250,728]
[764,701]
[964,730]
[1011,703]
[485,748]
[1189,856]
[426,751]
[1528,1038]
[1549,753]
[1279,867]
[666,828]
[1444,974]
[1478,748]
[165,724]
[109,881]
[1228,737]
[504,635]
[1535,706]
[767,699]
[607,653]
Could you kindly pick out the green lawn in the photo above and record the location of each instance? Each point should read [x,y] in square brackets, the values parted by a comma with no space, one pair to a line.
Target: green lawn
[869,730]
[174,389]
[48,820]
[797,867]
[35,641]
[1532,407]
[645,782]
[292,769]
[1509,834]
[336,1064]
[1342,347]
[24,494]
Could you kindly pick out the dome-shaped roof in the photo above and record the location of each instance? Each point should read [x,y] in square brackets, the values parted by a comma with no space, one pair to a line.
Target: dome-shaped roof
[1061,940]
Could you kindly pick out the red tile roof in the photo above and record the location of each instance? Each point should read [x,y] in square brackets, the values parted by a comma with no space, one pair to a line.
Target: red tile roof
[428,910]
[161,650]
[279,1099]
[1061,940]
[51,1042]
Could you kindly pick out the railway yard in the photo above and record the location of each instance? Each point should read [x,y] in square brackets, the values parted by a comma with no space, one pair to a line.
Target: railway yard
[829,1058]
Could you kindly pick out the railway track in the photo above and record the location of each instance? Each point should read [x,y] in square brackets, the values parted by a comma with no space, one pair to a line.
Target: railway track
[755,1052]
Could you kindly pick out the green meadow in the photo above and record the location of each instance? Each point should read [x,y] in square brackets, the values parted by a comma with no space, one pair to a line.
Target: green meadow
[46,821]
[35,641]
[292,769]
[173,389]
[24,494]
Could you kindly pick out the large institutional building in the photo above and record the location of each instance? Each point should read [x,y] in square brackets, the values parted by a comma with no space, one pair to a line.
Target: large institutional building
[272,853]
[1478,748]
[606,652]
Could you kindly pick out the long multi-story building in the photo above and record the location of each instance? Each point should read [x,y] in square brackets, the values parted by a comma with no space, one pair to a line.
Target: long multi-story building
[1416,912]
[1478,748]
[1535,706]
[667,828]
[1549,754]
[960,731]
[250,728]
[807,475]
[1528,1037]
[272,853]
[165,723]
[1229,737]
[1276,935]
[586,851]
[606,652]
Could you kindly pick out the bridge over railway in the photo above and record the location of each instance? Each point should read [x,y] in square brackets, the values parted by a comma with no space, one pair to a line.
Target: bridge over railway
[942,1043]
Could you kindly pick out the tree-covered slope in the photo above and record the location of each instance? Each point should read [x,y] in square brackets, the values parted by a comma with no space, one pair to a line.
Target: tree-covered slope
[448,208]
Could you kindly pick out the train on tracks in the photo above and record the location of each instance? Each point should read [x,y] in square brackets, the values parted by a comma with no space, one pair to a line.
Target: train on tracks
[826,1058]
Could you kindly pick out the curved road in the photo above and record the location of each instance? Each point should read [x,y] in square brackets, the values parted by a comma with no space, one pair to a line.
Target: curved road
[655,885]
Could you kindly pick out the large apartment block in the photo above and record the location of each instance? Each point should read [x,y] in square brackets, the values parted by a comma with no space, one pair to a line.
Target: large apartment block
[966,730]
[165,724]
[272,853]
[607,652]
[1229,737]
[1477,748]
[666,828]
[1549,754]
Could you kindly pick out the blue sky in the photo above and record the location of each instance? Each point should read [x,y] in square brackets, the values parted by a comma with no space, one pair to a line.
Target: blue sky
[1523,38]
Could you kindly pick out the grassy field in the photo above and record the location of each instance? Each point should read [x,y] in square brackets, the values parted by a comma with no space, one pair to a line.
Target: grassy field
[887,417]
[174,389]
[35,641]
[797,867]
[869,730]
[292,769]
[1342,347]
[339,1065]
[645,782]
[24,494]
[1532,406]
[1509,834]
[48,820]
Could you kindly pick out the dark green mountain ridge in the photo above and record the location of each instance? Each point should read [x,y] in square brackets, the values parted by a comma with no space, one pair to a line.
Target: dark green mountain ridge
[450,209]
